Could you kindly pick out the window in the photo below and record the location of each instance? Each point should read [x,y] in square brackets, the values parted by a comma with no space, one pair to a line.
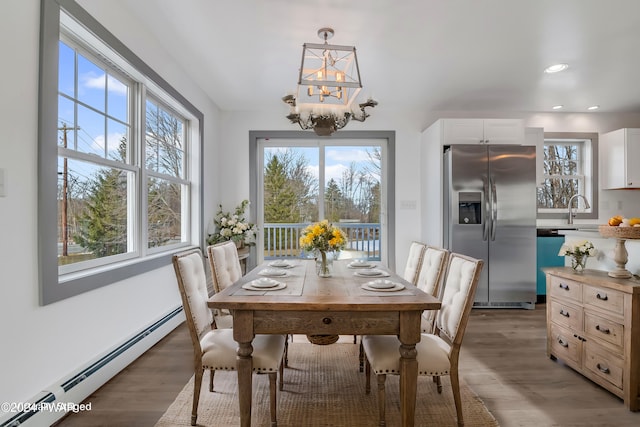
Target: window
[570,161]
[126,150]
[345,178]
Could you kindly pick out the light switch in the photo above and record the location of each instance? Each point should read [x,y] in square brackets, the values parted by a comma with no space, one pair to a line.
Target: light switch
[3,184]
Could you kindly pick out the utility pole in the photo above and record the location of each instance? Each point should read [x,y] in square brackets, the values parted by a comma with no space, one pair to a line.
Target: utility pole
[65,184]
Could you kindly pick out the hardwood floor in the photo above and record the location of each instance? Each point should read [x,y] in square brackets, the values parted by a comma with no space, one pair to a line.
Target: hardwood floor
[503,359]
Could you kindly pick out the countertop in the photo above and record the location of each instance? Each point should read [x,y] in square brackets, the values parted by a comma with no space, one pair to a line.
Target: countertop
[550,230]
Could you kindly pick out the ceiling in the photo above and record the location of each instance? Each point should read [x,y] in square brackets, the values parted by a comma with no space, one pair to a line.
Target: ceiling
[425,55]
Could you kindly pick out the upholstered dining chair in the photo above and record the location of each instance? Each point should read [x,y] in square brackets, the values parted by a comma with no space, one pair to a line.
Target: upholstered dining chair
[414,261]
[437,353]
[225,270]
[215,349]
[429,280]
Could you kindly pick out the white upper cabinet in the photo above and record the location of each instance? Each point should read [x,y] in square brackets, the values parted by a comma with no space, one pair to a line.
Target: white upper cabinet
[620,159]
[483,131]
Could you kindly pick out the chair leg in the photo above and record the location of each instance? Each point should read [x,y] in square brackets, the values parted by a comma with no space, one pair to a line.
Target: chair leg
[382,378]
[355,339]
[211,373]
[438,383]
[367,374]
[272,398]
[361,356]
[281,372]
[455,387]
[197,383]
[286,351]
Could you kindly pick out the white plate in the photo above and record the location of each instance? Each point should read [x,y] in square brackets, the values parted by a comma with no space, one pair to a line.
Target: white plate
[264,282]
[371,273]
[273,272]
[381,284]
[360,264]
[281,264]
[249,287]
[396,287]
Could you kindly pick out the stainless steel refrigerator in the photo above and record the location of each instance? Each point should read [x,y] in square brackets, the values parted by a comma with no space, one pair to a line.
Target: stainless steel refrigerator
[490,213]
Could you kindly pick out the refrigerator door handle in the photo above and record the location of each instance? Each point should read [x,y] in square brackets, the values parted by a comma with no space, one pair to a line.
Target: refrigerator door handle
[487,209]
[494,209]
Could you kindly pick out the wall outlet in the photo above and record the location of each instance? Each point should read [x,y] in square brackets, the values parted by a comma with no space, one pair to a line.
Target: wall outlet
[619,204]
[408,204]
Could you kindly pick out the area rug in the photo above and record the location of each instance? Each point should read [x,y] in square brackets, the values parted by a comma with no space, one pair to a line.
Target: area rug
[323,387]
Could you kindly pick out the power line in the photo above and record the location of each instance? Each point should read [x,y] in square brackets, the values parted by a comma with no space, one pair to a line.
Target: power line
[65,179]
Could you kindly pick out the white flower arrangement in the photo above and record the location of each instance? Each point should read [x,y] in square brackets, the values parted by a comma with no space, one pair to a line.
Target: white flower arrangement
[578,249]
[233,226]
[579,252]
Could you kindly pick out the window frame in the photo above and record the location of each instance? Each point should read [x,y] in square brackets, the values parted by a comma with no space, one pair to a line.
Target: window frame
[589,173]
[53,286]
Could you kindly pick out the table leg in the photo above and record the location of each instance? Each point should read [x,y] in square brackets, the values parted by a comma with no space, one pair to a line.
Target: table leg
[409,336]
[243,334]
[408,383]
[245,387]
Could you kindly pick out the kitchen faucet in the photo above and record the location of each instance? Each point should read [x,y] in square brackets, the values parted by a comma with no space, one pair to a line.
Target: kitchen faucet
[586,206]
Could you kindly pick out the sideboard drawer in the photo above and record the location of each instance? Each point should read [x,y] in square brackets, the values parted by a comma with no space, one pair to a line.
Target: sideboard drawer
[603,363]
[604,330]
[566,288]
[607,299]
[566,315]
[565,345]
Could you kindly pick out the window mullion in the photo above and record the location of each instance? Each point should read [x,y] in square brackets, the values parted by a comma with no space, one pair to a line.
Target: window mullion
[142,199]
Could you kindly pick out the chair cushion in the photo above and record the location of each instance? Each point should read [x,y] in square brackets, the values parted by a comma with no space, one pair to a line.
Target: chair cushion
[414,261]
[431,269]
[458,283]
[384,356]
[195,288]
[219,351]
[225,265]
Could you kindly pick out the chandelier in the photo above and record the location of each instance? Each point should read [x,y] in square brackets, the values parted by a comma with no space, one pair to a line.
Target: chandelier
[328,84]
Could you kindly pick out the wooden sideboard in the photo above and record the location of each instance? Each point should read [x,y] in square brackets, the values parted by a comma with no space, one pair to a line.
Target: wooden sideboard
[593,326]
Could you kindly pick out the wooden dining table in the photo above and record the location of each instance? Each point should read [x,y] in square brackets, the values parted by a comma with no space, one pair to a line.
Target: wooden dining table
[337,305]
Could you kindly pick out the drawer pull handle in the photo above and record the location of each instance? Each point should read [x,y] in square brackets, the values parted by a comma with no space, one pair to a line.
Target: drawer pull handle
[562,342]
[602,297]
[564,313]
[603,369]
[564,286]
[326,320]
[602,329]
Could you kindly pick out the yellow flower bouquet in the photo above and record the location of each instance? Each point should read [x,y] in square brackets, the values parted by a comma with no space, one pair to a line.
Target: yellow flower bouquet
[323,237]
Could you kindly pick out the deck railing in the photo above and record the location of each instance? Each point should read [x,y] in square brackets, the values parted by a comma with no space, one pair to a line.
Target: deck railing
[282,240]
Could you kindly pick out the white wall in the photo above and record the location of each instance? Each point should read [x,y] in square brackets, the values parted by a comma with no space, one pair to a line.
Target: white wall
[41,345]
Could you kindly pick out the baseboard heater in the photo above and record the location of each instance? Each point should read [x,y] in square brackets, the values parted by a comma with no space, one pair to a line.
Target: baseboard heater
[66,387]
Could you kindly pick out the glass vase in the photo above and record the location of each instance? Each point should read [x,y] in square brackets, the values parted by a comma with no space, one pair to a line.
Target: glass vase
[578,263]
[324,264]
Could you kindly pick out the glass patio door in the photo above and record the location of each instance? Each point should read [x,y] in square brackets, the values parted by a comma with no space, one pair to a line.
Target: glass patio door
[307,180]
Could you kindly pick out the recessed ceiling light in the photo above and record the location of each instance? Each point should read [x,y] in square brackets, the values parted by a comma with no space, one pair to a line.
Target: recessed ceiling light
[593,107]
[555,68]
[557,107]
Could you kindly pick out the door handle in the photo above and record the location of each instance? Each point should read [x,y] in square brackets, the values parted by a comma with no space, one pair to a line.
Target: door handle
[494,209]
[487,209]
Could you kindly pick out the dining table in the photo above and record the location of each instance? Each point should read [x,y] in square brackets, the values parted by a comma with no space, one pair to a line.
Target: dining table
[360,298]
